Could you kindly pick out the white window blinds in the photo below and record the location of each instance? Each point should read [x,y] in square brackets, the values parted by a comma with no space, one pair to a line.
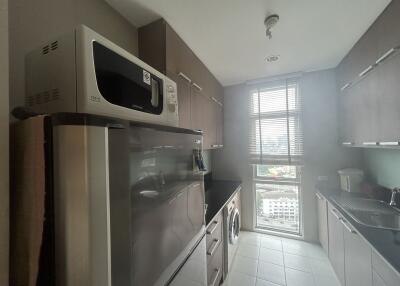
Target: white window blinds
[276,135]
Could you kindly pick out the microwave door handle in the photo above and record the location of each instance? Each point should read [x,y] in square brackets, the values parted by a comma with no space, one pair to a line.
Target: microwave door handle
[154,93]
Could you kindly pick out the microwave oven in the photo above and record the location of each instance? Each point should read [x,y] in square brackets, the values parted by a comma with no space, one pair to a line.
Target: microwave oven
[84,72]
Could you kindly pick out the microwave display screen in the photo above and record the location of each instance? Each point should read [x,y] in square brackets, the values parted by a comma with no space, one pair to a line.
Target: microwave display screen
[122,82]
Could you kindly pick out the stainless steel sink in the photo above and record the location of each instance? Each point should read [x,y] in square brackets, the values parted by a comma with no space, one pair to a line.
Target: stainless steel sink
[371,213]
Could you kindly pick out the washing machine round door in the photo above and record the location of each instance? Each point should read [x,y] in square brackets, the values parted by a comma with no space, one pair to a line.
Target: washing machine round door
[234,226]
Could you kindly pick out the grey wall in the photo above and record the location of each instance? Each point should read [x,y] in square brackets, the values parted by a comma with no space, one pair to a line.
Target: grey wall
[33,23]
[323,155]
[4,189]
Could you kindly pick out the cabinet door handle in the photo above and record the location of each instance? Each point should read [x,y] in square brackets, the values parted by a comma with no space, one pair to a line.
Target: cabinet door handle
[346,226]
[394,143]
[216,101]
[386,55]
[213,247]
[366,71]
[214,279]
[185,77]
[334,212]
[370,143]
[347,85]
[198,87]
[210,231]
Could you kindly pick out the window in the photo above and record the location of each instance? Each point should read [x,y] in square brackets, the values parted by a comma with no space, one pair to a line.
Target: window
[275,124]
[276,152]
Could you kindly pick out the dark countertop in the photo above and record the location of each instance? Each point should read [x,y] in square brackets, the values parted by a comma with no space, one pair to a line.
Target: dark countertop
[218,193]
[384,242]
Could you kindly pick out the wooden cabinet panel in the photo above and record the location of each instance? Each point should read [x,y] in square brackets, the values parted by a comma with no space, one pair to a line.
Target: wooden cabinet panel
[322,210]
[152,45]
[369,108]
[161,47]
[386,23]
[179,57]
[220,125]
[336,243]
[389,100]
[198,104]
[209,125]
[357,259]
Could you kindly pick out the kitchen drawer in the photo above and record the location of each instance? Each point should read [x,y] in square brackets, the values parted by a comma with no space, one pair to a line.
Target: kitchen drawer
[385,271]
[214,230]
[215,263]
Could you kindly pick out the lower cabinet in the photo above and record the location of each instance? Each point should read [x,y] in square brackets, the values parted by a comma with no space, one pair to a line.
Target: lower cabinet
[322,209]
[383,273]
[215,251]
[354,261]
[357,257]
[377,280]
[336,243]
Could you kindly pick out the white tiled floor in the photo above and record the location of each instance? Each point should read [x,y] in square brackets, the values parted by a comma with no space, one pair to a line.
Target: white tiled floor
[264,260]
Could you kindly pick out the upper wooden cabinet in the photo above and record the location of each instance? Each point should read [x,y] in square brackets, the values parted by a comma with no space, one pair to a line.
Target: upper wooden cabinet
[369,107]
[200,95]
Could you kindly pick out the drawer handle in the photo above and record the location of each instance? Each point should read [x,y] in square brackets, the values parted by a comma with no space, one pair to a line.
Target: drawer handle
[346,226]
[334,212]
[185,77]
[348,143]
[216,274]
[213,247]
[210,231]
[214,146]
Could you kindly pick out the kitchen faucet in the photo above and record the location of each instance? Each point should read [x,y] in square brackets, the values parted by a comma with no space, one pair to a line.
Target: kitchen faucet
[395,191]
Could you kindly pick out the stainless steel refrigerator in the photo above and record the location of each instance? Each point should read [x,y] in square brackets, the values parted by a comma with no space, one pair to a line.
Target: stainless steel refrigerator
[124,201]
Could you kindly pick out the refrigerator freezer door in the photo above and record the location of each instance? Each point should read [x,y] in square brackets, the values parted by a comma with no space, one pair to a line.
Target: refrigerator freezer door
[156,203]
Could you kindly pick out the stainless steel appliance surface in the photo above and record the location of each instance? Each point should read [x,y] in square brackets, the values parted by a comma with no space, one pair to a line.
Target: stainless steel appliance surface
[83,71]
[232,230]
[128,201]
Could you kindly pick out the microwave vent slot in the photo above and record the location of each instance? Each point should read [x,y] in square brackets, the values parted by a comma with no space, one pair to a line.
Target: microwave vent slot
[45,50]
[54,45]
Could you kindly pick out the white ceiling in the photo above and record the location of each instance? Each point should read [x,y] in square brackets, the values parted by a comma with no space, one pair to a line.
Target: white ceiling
[229,35]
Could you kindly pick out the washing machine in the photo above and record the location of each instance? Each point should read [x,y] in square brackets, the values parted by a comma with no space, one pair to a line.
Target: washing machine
[231,231]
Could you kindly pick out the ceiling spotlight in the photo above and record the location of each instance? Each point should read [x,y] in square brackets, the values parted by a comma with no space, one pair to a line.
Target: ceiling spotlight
[272,58]
[269,23]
